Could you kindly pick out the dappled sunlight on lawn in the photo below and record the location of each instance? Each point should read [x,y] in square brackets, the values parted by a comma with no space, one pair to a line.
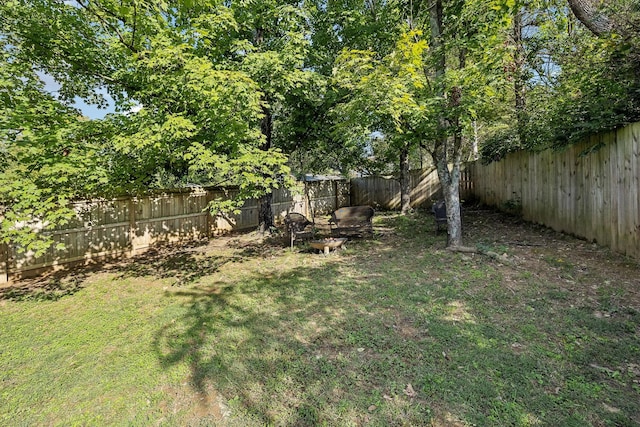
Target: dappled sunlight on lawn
[393,330]
[457,311]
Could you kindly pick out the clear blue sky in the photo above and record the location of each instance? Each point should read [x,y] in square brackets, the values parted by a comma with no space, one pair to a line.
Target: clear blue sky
[91,111]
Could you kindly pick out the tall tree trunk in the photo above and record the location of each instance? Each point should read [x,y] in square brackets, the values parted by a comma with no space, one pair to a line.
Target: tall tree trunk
[450,182]
[452,190]
[405,190]
[449,179]
[265,213]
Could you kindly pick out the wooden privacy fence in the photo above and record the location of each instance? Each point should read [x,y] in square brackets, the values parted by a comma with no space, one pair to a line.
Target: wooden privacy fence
[111,229]
[384,193]
[589,189]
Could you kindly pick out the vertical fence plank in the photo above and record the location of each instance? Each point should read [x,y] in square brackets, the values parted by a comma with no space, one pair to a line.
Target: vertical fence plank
[613,190]
[578,192]
[598,193]
[591,189]
[4,263]
[527,187]
[635,173]
[628,191]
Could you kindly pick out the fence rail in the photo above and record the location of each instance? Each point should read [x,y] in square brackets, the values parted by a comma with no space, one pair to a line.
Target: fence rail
[590,189]
[127,226]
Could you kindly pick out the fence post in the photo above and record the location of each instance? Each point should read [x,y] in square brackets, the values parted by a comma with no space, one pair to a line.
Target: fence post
[208,199]
[4,263]
[132,225]
[306,200]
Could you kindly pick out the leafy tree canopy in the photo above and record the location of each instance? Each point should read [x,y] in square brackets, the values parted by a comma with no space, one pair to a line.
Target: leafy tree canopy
[202,74]
[239,92]
[575,83]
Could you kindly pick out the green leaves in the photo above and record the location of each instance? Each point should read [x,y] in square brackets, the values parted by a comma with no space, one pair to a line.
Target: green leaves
[218,86]
[571,83]
[389,95]
[198,75]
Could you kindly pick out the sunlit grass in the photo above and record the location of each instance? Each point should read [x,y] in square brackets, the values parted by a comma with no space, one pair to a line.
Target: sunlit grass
[393,331]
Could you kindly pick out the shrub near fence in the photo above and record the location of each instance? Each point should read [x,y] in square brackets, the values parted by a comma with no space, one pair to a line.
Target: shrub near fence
[590,189]
[111,229]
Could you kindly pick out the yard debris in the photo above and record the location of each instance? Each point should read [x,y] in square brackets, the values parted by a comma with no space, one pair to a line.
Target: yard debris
[517,346]
[409,391]
[602,369]
[503,259]
[599,315]
[634,369]
[611,409]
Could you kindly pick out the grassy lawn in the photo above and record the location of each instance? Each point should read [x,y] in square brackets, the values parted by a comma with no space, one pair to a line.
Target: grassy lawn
[394,330]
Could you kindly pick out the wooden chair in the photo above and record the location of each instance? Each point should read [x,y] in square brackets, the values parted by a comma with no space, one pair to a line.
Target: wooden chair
[298,227]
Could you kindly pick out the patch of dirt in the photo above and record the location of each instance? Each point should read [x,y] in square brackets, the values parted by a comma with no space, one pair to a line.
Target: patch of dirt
[585,271]
[199,406]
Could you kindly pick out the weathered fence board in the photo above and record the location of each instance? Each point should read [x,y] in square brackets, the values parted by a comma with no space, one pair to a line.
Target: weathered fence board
[384,193]
[4,263]
[326,196]
[590,189]
[127,226]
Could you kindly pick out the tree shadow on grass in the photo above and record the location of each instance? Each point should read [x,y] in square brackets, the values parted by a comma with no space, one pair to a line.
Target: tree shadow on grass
[50,288]
[340,342]
[188,264]
[310,346]
[185,264]
[246,337]
[184,267]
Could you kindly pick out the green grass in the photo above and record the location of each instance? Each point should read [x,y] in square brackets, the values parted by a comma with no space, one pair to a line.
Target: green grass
[393,331]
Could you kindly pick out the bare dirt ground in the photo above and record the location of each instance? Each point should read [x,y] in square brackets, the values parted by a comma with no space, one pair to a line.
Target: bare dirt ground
[583,268]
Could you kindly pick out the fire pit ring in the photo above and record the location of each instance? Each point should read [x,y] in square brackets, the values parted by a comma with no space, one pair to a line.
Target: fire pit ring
[326,245]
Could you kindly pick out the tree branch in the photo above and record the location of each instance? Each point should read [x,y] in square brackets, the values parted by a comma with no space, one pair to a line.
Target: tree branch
[107,25]
[589,14]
